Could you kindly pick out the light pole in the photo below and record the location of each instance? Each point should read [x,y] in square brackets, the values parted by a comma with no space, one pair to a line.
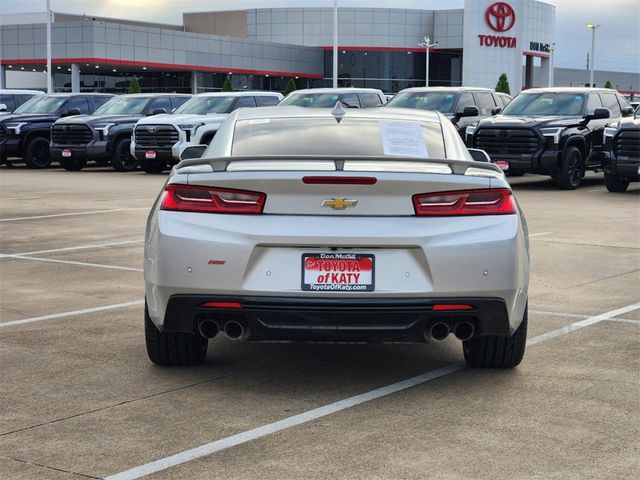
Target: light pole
[593,46]
[427,45]
[335,43]
[49,71]
[552,49]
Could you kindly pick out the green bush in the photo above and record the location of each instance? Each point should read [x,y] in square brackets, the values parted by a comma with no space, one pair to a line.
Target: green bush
[503,85]
[291,87]
[608,84]
[227,86]
[134,86]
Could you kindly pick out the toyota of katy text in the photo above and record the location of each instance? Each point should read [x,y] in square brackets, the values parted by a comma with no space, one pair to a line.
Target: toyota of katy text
[105,136]
[462,105]
[336,225]
[622,153]
[26,132]
[159,140]
[327,97]
[550,131]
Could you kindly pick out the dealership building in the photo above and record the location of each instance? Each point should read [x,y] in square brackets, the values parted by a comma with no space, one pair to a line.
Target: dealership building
[262,48]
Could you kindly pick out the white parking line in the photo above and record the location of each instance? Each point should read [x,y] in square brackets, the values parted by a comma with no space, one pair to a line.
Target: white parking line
[623,320]
[36,217]
[79,247]
[539,234]
[558,314]
[71,262]
[72,313]
[295,420]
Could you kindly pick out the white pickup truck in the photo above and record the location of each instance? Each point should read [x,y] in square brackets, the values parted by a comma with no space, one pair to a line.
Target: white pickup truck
[158,141]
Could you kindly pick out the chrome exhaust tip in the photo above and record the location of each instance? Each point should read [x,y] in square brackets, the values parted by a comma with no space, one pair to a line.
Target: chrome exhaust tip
[439,331]
[464,331]
[234,330]
[208,328]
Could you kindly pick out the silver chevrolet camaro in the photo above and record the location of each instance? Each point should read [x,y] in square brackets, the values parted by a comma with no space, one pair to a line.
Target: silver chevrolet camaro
[334,225]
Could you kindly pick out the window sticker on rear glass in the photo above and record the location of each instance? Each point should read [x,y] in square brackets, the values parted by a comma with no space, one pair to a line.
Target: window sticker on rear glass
[403,139]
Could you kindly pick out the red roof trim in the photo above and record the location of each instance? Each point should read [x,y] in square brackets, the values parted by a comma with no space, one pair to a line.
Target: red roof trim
[536,54]
[390,49]
[172,66]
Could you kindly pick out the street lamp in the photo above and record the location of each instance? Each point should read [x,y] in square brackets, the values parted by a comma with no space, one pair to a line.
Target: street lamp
[335,44]
[49,72]
[427,45]
[593,46]
[552,49]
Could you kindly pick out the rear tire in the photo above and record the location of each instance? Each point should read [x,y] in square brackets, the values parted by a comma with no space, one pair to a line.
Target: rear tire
[497,351]
[615,183]
[72,164]
[173,349]
[571,170]
[38,154]
[122,160]
[153,165]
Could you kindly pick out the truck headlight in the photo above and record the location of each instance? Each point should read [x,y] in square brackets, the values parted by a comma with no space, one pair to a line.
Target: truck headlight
[190,126]
[610,132]
[552,132]
[103,129]
[16,127]
[470,131]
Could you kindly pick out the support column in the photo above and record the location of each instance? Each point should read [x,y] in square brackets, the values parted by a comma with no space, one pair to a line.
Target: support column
[194,82]
[528,72]
[75,78]
[3,76]
[544,77]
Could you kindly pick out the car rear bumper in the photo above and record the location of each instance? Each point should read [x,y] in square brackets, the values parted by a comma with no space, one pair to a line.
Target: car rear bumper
[332,319]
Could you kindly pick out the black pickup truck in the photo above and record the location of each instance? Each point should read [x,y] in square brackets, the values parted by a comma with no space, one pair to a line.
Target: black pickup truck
[551,131]
[26,132]
[105,136]
[622,153]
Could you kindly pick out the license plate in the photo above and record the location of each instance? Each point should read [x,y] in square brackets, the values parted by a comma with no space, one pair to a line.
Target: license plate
[150,154]
[66,153]
[502,165]
[338,272]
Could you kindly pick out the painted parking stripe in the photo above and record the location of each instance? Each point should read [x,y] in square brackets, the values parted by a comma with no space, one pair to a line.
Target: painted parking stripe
[72,313]
[295,420]
[72,262]
[541,234]
[37,217]
[79,247]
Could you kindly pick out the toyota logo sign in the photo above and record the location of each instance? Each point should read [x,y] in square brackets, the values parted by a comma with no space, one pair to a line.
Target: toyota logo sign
[500,16]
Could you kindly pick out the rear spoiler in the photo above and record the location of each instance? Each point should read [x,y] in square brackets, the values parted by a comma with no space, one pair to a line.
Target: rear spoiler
[409,164]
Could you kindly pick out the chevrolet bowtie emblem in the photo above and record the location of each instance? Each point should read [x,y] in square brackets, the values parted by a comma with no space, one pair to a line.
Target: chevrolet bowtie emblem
[339,203]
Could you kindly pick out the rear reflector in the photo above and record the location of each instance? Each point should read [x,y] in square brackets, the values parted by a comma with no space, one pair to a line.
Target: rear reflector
[192,198]
[453,306]
[494,201]
[221,305]
[340,180]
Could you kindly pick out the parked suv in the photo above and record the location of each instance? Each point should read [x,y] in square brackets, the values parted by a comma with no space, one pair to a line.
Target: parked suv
[158,140]
[106,135]
[328,97]
[550,131]
[26,132]
[12,99]
[622,153]
[462,105]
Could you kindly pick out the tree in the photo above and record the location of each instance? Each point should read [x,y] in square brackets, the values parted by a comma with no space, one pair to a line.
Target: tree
[608,84]
[134,86]
[291,86]
[227,86]
[503,85]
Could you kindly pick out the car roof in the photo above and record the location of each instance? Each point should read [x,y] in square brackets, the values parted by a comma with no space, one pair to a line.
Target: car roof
[568,90]
[18,91]
[163,94]
[69,94]
[237,94]
[336,90]
[446,89]
[303,112]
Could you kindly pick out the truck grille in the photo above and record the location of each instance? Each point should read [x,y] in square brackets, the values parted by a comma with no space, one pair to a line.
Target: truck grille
[156,137]
[505,141]
[627,144]
[69,134]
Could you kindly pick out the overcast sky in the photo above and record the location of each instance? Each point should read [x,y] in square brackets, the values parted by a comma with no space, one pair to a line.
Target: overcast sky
[617,45]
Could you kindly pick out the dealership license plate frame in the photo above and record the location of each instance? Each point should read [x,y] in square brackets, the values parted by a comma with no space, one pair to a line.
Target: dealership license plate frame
[67,152]
[349,287]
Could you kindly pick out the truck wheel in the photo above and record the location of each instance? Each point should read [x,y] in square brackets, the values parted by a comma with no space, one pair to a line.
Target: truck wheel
[614,183]
[571,170]
[497,351]
[38,154]
[173,349]
[122,160]
[153,165]
[72,164]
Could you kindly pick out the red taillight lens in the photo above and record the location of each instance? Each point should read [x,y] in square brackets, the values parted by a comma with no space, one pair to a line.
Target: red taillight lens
[221,305]
[191,198]
[443,307]
[494,201]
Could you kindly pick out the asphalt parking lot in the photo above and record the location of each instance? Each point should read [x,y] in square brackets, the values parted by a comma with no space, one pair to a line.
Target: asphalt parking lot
[80,399]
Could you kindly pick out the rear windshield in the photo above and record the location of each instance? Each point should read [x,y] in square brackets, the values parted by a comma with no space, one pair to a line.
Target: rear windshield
[205,105]
[566,104]
[312,100]
[41,104]
[325,136]
[123,106]
[439,101]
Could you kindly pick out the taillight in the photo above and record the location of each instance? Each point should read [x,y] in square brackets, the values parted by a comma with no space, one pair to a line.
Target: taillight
[494,201]
[192,198]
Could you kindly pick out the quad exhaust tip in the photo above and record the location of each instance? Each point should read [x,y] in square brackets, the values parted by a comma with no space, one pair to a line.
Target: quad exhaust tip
[464,331]
[208,328]
[439,331]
